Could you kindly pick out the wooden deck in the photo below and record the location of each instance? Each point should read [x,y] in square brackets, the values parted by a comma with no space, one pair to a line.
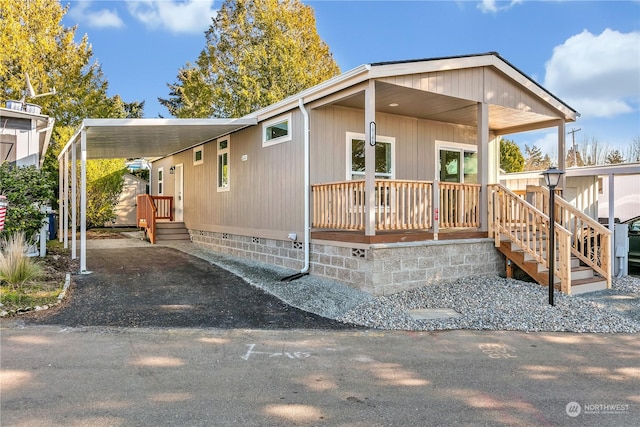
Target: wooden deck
[395,236]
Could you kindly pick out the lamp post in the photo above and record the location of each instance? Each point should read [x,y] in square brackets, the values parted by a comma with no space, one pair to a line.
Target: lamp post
[552,178]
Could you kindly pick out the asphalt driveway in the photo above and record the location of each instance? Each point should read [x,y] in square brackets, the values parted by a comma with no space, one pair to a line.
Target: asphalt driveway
[152,286]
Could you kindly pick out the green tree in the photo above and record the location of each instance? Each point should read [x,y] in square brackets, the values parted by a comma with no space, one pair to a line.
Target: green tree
[27,190]
[511,159]
[535,160]
[35,42]
[614,157]
[104,185]
[257,53]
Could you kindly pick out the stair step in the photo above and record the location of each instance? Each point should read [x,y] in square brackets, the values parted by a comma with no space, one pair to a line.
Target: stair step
[163,237]
[579,273]
[588,285]
[166,225]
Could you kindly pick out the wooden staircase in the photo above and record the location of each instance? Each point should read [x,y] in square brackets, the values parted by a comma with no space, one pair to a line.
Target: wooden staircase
[520,230]
[582,278]
[171,231]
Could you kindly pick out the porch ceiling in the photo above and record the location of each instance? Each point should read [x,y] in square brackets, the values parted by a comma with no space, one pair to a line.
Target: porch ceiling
[432,106]
[133,138]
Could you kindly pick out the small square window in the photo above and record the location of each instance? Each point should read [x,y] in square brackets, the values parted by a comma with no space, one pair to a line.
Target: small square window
[276,131]
[198,155]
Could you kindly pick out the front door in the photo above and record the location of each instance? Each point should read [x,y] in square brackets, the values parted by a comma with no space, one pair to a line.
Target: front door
[179,191]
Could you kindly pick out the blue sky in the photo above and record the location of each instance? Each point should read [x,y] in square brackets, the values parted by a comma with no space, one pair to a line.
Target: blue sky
[585,52]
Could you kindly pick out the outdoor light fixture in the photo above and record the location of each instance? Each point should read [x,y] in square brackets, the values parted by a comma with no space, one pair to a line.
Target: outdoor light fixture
[172,170]
[552,178]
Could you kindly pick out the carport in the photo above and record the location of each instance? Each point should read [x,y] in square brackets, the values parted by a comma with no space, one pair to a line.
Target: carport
[123,138]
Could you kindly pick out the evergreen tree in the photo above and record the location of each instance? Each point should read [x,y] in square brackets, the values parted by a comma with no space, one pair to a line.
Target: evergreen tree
[614,157]
[534,160]
[257,53]
[511,159]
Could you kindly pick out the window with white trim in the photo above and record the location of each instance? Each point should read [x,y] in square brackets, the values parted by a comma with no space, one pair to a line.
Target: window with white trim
[385,156]
[457,162]
[198,155]
[222,145]
[160,182]
[276,131]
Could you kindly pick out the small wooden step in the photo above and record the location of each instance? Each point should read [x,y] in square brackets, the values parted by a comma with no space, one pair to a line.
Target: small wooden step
[588,285]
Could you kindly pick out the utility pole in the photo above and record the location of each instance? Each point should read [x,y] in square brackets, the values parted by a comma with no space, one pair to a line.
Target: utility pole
[573,136]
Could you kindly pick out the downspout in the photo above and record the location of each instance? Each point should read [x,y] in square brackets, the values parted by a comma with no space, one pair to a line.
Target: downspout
[307,190]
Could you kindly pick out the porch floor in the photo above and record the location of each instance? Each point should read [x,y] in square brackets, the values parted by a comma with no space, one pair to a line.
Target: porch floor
[396,236]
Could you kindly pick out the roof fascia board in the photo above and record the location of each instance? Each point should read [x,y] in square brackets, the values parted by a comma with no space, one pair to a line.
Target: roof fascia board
[69,143]
[336,96]
[597,170]
[328,87]
[89,123]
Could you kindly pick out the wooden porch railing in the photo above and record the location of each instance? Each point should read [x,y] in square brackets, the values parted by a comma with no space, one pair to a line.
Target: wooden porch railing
[151,208]
[400,205]
[459,205]
[591,241]
[519,221]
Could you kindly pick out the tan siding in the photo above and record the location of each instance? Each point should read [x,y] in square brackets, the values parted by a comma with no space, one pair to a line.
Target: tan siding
[482,84]
[415,142]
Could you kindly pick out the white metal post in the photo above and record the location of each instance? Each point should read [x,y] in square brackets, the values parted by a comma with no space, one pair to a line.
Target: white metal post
[65,219]
[74,198]
[83,202]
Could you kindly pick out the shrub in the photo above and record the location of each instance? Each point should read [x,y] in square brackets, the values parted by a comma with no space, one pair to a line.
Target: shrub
[15,268]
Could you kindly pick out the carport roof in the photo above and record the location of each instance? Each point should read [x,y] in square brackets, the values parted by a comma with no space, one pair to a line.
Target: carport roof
[134,138]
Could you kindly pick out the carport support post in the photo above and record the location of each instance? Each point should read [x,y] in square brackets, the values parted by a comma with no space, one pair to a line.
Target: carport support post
[74,197]
[83,202]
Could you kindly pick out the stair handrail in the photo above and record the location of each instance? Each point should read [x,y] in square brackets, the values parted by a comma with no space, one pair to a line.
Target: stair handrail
[528,227]
[146,215]
[591,241]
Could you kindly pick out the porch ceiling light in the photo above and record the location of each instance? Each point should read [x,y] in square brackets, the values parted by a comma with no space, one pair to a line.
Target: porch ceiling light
[393,104]
[552,177]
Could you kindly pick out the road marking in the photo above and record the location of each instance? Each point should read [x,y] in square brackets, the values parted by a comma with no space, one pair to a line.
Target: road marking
[290,355]
[497,351]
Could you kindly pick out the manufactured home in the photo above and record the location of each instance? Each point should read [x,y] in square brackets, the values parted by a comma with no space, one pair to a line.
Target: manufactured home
[24,134]
[385,178]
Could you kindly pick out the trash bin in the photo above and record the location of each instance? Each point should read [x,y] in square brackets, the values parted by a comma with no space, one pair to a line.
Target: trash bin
[53,229]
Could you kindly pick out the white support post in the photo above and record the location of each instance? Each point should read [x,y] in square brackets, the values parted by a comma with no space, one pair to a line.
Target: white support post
[83,202]
[370,158]
[60,196]
[562,165]
[65,219]
[74,198]
[483,163]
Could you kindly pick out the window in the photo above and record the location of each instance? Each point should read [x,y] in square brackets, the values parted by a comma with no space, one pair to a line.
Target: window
[198,155]
[160,173]
[385,158]
[223,163]
[276,131]
[458,163]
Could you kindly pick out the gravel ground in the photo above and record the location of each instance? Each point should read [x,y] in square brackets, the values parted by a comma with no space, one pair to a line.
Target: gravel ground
[491,303]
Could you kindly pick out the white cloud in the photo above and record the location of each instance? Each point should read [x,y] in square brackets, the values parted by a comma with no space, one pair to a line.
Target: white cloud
[597,74]
[494,6]
[188,16]
[96,19]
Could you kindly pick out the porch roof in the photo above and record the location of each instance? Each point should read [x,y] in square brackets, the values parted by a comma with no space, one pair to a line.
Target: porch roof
[135,138]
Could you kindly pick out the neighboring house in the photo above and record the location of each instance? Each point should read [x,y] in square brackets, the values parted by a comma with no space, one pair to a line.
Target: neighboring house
[385,177]
[125,210]
[24,134]
[589,188]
